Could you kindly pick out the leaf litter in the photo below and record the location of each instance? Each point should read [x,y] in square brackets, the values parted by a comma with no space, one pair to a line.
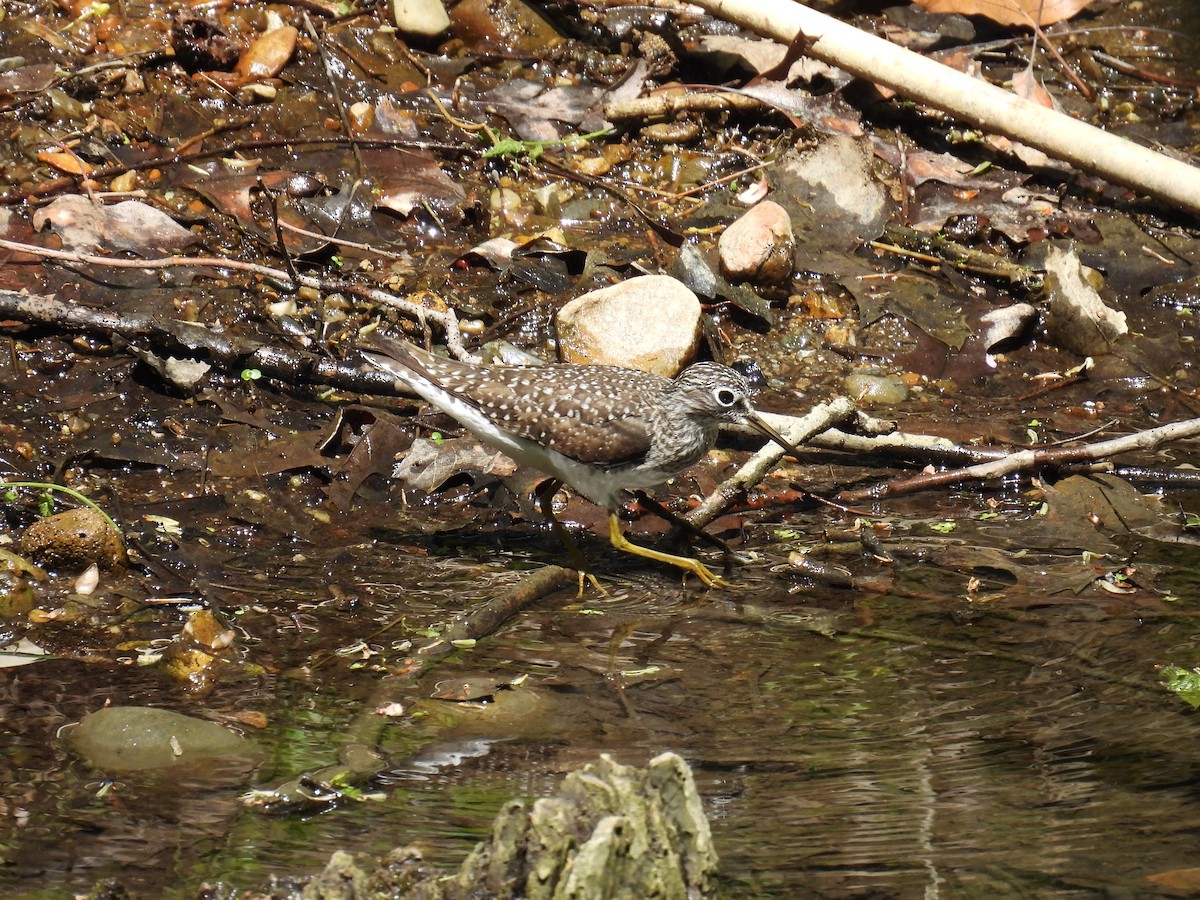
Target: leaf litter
[289,514]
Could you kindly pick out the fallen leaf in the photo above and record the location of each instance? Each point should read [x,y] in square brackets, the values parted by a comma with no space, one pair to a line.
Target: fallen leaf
[537,113]
[1009,12]
[130,226]
[1025,84]
[1077,318]
[419,182]
[64,162]
[30,79]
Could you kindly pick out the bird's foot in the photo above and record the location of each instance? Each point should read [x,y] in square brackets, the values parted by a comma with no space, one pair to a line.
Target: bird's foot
[588,576]
[704,573]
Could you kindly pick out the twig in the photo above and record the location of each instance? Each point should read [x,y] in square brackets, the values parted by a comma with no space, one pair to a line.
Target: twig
[986,106]
[1029,460]
[335,93]
[709,185]
[796,430]
[173,337]
[446,318]
[1129,69]
[679,100]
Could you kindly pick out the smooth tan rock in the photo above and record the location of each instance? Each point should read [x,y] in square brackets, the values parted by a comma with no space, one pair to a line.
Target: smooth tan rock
[651,323]
[874,389]
[759,247]
[424,18]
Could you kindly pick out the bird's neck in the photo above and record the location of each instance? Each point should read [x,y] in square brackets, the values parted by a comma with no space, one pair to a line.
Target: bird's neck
[681,438]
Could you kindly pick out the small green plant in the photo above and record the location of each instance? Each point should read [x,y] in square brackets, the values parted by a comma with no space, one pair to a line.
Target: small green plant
[511,147]
[349,791]
[1184,683]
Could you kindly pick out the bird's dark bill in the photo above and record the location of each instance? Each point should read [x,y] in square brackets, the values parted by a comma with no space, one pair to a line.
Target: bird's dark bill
[757,423]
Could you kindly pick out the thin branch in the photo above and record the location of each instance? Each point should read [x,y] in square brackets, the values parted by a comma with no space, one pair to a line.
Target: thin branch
[445,318]
[796,430]
[1033,460]
[988,107]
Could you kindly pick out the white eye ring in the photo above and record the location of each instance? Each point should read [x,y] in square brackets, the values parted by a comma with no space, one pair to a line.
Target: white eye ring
[725,397]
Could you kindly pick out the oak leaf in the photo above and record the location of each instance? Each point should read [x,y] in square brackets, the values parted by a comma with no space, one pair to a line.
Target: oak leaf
[1009,12]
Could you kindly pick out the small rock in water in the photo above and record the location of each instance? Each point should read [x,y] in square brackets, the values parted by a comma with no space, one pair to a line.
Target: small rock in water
[868,387]
[73,539]
[759,247]
[651,322]
[424,18]
[136,738]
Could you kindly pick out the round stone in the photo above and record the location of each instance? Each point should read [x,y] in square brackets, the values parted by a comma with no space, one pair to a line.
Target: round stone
[651,323]
[759,247]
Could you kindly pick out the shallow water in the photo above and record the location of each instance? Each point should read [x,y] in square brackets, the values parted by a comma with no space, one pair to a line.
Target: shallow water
[927,748]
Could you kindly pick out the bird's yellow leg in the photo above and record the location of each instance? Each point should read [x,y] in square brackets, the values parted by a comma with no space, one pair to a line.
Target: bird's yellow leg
[545,499]
[694,566]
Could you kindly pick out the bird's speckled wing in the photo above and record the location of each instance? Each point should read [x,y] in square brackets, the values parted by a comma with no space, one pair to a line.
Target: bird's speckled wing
[593,414]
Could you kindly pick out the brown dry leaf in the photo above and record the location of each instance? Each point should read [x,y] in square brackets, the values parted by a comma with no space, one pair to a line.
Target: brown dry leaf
[1009,12]
[1025,84]
[131,226]
[64,162]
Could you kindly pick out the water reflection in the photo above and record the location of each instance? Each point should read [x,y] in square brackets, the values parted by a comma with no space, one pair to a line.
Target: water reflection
[845,745]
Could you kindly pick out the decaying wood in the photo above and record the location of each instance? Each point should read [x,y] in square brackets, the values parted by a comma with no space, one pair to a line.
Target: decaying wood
[611,831]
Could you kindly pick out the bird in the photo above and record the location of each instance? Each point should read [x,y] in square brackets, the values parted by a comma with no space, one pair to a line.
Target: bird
[601,429]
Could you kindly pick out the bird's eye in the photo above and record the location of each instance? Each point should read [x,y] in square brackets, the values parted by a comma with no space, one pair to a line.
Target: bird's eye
[725,396]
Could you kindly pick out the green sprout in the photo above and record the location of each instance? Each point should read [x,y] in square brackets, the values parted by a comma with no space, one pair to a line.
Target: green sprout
[511,147]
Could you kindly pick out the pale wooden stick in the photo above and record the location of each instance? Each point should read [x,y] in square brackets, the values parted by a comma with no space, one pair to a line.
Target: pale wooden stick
[991,108]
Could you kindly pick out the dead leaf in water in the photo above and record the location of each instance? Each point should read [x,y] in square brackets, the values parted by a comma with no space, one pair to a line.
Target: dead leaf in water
[130,226]
[1009,12]
[1078,318]
[64,161]
[1083,510]
[1025,84]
